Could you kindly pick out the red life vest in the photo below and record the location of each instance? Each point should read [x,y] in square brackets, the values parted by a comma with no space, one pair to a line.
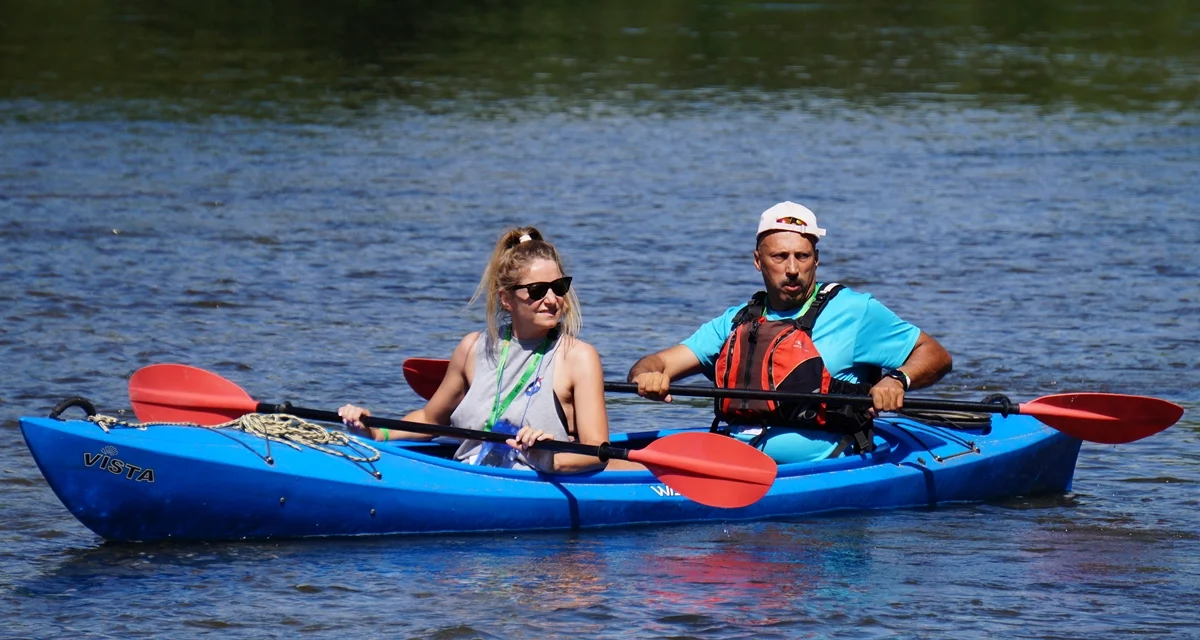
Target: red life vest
[779,355]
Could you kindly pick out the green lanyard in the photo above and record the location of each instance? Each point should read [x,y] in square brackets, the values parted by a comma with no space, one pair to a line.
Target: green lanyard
[498,408]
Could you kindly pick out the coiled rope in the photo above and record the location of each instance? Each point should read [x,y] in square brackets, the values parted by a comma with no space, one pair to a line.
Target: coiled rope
[272,427]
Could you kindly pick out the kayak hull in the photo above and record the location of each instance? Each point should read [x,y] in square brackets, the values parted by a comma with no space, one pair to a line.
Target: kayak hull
[195,483]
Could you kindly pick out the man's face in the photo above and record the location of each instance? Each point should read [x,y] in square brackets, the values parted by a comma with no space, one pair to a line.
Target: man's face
[788,262]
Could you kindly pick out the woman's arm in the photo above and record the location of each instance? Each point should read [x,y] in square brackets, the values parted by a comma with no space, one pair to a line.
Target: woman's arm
[453,388]
[439,407]
[591,416]
[580,365]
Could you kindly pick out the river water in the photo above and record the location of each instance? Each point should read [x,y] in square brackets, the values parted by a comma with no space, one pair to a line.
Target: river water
[301,197]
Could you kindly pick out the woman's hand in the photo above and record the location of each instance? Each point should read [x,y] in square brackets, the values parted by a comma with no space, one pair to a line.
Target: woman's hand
[526,437]
[352,417]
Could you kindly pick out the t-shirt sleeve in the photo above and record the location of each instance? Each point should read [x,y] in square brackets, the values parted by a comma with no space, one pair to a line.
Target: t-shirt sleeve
[706,342]
[883,338]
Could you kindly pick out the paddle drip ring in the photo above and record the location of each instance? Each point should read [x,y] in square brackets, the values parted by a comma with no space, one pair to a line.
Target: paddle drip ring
[1001,400]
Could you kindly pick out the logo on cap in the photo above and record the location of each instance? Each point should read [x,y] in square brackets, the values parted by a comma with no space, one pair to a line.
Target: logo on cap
[789,216]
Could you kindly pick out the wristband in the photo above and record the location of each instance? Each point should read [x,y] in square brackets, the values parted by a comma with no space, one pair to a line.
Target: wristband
[901,376]
[387,435]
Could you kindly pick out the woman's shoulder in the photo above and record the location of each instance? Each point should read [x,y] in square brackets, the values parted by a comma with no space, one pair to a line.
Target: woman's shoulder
[578,362]
[576,352]
[466,346]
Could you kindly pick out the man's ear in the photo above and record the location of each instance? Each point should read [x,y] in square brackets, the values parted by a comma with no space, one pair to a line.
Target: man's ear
[757,260]
[816,255]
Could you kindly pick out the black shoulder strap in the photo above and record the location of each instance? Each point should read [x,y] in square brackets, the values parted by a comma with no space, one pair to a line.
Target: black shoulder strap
[825,294]
[753,309]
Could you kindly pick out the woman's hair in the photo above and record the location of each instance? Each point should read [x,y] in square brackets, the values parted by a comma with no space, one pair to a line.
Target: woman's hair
[515,249]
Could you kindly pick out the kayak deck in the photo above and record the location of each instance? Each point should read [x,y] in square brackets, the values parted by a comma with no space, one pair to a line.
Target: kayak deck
[196,483]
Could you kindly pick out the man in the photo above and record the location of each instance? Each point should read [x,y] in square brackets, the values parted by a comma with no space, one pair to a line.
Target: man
[800,336]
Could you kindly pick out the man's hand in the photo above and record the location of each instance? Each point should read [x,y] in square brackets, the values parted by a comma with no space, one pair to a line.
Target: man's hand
[888,395]
[654,385]
[653,373]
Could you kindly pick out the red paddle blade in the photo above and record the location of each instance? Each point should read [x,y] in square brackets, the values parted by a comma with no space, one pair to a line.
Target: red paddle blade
[711,469]
[179,393]
[1107,418]
[425,375]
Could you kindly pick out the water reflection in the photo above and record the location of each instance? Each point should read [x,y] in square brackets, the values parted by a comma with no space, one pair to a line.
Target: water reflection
[758,576]
[262,59]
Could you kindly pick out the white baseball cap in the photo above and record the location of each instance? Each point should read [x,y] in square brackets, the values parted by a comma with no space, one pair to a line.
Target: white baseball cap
[789,216]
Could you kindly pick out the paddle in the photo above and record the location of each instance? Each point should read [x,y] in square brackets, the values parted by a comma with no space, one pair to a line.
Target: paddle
[1107,418]
[424,375]
[710,469]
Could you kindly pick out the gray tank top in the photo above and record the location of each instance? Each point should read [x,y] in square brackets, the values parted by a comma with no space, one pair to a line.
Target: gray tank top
[534,406]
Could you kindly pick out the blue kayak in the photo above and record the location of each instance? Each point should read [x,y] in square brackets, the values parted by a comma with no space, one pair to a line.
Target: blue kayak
[196,483]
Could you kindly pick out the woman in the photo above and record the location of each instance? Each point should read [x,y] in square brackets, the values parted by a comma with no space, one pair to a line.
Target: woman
[528,373]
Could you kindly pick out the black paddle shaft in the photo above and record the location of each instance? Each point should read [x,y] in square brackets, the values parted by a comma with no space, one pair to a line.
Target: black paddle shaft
[783,396]
[604,451]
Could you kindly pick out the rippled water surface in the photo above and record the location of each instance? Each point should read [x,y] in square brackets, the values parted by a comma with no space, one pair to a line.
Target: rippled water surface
[299,198]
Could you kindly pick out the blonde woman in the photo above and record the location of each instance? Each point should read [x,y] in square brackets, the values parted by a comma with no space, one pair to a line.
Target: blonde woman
[527,374]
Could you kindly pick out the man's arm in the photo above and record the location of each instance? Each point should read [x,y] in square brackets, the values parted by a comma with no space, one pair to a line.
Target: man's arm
[927,363]
[654,373]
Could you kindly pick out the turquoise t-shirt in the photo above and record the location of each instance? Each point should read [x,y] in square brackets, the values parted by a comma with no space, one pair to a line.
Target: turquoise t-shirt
[853,333]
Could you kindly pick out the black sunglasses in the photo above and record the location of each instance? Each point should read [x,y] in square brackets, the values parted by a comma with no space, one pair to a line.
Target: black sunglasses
[537,290]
